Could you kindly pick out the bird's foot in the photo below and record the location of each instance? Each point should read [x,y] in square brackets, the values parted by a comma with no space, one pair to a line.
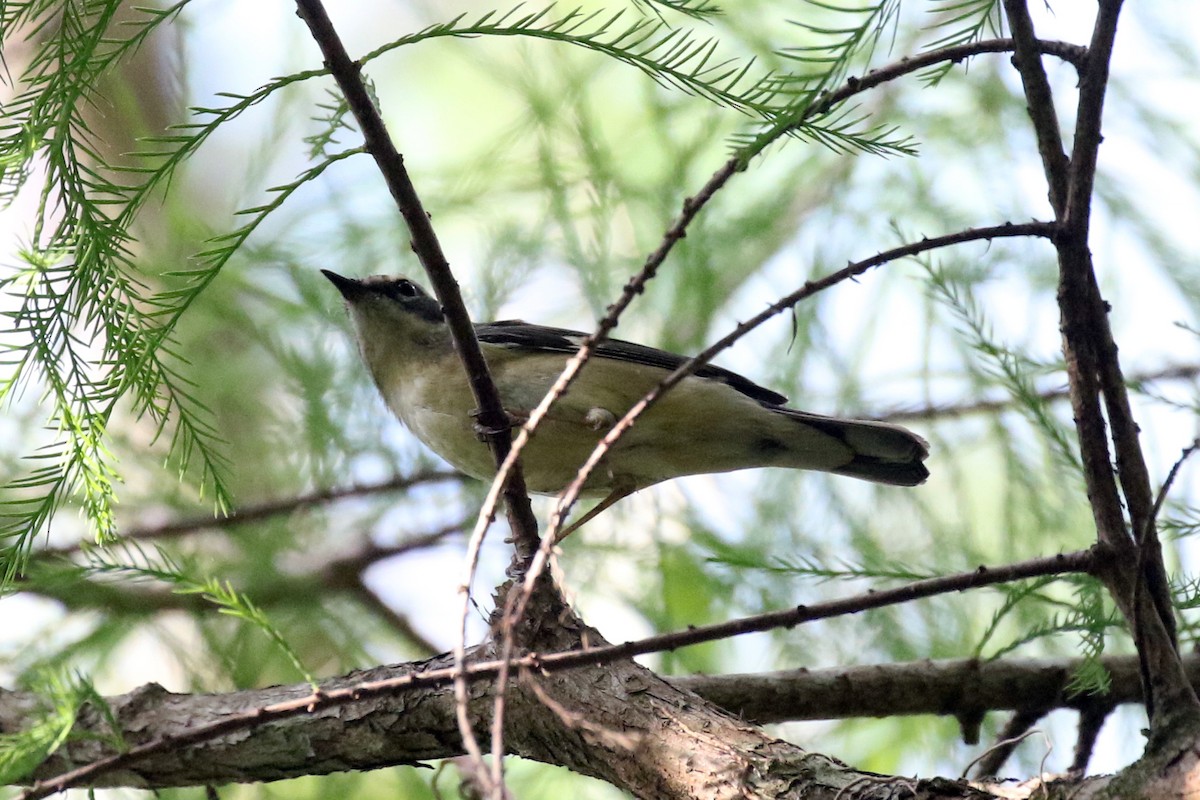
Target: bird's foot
[484,432]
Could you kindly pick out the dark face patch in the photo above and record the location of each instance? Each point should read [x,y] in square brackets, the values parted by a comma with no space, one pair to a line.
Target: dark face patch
[401,289]
[410,296]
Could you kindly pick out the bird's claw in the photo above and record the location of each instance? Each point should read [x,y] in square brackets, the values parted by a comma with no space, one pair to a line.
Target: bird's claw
[485,432]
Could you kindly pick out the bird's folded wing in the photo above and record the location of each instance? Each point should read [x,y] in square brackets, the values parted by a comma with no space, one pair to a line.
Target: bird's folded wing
[540,338]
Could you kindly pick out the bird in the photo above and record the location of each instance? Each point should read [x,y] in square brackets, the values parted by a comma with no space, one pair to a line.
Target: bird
[713,421]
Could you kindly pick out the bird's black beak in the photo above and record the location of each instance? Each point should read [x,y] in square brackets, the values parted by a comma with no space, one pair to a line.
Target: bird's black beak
[350,288]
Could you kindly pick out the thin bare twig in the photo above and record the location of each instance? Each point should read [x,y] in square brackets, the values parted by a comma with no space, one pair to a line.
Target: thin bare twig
[1001,750]
[571,494]
[512,613]
[1180,372]
[613,739]
[254,512]
[1170,480]
[989,762]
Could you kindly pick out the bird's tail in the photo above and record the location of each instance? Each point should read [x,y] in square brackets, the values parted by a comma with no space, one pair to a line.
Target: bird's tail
[882,453]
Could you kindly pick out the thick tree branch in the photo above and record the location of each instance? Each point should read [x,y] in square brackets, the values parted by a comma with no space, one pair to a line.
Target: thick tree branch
[954,687]
[379,731]
[573,648]
[384,731]
[642,734]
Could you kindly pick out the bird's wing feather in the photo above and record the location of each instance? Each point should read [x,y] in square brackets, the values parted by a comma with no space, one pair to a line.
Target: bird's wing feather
[521,335]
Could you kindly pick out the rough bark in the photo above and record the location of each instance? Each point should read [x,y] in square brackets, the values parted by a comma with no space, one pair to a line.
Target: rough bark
[618,722]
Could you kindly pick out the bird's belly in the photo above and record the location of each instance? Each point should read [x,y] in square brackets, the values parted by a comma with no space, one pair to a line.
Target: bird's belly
[655,449]
[707,427]
[549,462]
[670,442]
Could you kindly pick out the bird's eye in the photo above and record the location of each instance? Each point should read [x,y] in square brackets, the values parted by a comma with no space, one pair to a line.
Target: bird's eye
[407,288]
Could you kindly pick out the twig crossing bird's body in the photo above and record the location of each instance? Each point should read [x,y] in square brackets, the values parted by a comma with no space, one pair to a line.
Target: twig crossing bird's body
[713,421]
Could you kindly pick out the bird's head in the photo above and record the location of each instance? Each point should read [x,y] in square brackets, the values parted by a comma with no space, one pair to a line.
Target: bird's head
[394,318]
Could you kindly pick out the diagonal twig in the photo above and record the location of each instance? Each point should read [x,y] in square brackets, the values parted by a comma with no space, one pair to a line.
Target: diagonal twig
[492,416]
[568,497]
[514,610]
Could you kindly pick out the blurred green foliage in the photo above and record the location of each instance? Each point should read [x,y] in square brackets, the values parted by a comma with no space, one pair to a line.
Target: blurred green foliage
[172,342]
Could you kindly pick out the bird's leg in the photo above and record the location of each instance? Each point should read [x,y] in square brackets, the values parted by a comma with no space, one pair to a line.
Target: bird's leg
[614,496]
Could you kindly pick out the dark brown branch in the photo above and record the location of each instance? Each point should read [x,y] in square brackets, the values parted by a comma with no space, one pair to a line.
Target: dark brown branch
[1085,151]
[1091,720]
[254,512]
[1169,481]
[1131,465]
[400,623]
[338,574]
[1080,561]
[1039,102]
[1085,317]
[1074,298]
[492,416]
[951,687]
[1137,579]
[1071,53]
